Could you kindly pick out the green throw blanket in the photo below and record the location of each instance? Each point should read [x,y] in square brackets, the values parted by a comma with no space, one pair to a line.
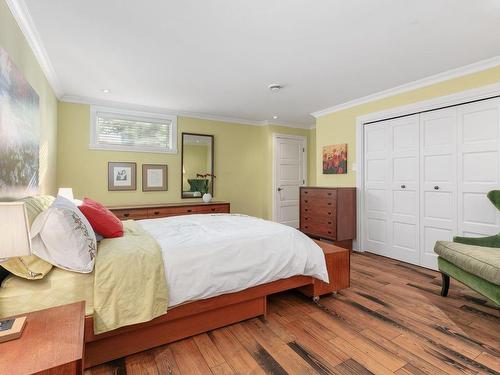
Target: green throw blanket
[130,284]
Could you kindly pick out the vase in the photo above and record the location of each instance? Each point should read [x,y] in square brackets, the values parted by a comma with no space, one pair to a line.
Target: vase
[207,197]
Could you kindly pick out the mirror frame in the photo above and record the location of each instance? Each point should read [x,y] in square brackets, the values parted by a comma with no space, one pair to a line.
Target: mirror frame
[212,166]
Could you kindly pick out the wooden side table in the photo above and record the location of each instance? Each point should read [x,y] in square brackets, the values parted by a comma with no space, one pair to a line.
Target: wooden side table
[338,264]
[51,343]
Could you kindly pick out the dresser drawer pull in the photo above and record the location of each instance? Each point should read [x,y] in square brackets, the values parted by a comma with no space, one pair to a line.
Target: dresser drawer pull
[305,201]
[305,226]
[329,222]
[329,232]
[157,212]
[306,218]
[306,192]
[329,213]
[305,209]
[329,193]
[126,215]
[329,203]
[189,210]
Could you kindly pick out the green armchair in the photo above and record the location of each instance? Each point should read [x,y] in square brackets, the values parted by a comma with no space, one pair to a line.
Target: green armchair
[491,241]
[474,262]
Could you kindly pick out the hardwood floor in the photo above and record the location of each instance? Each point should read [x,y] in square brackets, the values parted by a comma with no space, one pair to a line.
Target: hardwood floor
[391,321]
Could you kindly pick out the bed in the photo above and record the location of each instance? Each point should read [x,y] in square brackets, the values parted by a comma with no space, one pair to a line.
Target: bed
[219,269]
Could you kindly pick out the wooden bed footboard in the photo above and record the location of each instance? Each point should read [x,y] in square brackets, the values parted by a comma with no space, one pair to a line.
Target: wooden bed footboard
[201,316]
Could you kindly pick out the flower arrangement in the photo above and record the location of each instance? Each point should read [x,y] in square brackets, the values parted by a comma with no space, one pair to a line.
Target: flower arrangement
[206,185]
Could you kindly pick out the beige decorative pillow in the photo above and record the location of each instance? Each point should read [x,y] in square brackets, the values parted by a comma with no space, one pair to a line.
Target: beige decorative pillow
[31,267]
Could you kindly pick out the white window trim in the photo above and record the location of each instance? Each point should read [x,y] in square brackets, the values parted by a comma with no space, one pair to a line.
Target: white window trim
[145,116]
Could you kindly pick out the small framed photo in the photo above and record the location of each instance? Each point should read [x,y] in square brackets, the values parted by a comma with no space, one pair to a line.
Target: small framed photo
[154,177]
[121,176]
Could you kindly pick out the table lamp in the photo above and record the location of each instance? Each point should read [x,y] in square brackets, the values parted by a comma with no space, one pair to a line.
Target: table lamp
[66,193]
[15,242]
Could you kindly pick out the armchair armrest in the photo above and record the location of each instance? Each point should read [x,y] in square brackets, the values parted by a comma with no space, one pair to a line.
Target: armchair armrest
[490,241]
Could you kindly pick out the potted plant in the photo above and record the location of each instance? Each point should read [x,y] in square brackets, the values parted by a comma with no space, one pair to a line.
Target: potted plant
[205,186]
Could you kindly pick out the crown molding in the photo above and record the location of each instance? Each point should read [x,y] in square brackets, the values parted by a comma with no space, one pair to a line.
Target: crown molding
[202,116]
[428,81]
[22,15]
[287,124]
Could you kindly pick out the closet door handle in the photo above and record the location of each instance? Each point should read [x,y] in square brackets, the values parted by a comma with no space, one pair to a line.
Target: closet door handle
[403,186]
[436,187]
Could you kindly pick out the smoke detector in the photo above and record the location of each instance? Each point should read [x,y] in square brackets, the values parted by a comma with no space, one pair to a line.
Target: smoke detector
[275,87]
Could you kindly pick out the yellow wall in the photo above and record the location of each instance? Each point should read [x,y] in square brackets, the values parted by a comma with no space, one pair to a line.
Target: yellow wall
[13,41]
[312,169]
[243,162]
[340,127]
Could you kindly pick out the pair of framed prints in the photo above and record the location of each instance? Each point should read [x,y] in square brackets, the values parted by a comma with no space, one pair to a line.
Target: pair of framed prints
[123,176]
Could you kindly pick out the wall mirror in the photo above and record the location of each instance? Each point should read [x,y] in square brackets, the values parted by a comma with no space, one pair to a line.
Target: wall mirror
[197,165]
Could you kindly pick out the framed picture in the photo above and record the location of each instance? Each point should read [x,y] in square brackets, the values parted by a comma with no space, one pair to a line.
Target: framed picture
[154,177]
[121,176]
[335,159]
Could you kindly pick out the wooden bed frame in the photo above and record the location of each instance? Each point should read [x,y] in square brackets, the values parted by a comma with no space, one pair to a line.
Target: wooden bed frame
[204,315]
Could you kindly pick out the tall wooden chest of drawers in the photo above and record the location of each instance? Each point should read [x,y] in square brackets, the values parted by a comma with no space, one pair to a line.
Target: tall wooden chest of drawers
[329,213]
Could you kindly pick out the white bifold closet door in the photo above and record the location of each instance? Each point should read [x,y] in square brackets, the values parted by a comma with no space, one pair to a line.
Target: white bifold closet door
[391,188]
[478,157]
[426,177]
[438,181]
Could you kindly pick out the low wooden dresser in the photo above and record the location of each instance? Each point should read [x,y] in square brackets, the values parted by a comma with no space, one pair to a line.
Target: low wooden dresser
[172,209]
[329,213]
[51,343]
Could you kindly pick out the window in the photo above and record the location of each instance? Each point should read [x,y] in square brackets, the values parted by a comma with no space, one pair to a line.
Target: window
[124,130]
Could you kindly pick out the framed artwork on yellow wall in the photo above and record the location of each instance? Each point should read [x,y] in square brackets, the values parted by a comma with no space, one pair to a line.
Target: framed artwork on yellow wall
[154,177]
[121,176]
[335,159]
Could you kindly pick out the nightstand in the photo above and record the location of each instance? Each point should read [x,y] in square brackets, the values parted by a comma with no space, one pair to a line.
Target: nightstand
[51,343]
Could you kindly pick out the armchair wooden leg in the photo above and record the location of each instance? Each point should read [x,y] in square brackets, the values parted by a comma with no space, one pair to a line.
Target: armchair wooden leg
[445,286]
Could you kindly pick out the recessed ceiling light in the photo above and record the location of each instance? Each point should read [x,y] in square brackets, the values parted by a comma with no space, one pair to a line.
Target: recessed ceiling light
[275,87]
[106,91]
[275,117]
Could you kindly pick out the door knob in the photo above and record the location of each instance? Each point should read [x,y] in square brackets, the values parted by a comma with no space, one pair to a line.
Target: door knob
[436,187]
[279,189]
[403,186]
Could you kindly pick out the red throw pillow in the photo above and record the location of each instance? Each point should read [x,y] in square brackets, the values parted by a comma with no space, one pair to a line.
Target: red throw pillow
[103,221]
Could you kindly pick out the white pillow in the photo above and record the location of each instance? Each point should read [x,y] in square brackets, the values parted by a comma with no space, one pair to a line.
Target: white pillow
[62,236]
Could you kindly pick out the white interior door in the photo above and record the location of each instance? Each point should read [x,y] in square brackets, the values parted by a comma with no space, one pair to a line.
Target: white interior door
[438,187]
[376,191]
[290,162]
[478,167]
[404,188]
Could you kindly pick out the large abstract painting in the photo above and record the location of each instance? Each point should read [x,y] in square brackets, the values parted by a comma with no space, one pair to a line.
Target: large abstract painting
[19,132]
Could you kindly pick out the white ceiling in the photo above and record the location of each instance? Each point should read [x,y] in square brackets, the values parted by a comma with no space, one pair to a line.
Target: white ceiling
[217,57]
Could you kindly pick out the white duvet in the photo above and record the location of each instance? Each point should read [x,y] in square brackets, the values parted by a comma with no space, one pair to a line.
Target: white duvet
[209,255]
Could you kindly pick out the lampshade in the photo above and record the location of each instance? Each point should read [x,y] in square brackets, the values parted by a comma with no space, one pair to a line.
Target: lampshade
[66,193]
[14,230]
